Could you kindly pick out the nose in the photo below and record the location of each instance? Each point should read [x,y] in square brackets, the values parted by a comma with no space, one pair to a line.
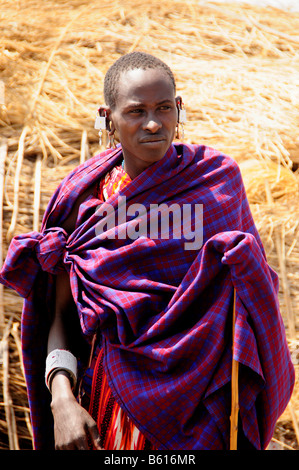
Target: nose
[152,123]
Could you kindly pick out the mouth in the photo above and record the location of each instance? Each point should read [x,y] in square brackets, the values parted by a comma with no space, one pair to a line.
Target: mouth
[152,139]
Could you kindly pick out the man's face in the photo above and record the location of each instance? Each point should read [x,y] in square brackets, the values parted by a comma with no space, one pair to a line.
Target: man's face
[145,117]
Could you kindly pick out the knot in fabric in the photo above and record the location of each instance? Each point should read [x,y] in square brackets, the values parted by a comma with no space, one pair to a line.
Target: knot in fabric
[50,249]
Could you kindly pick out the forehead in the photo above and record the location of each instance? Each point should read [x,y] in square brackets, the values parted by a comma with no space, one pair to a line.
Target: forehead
[140,85]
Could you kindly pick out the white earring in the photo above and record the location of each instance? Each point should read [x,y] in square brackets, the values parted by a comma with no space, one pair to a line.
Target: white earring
[100,124]
[182,118]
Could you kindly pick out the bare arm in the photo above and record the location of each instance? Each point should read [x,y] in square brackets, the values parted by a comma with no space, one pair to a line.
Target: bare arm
[58,337]
[72,424]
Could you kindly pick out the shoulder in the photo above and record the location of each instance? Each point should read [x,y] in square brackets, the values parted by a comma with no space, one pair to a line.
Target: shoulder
[94,162]
[210,158]
[79,179]
[209,153]
[77,185]
[215,171]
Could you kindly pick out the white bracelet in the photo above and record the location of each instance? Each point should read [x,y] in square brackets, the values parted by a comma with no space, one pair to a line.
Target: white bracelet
[61,359]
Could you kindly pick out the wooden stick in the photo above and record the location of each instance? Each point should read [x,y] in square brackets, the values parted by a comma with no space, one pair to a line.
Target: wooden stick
[15,334]
[11,229]
[294,419]
[3,153]
[281,444]
[56,155]
[83,147]
[37,188]
[285,287]
[280,34]
[234,390]
[8,404]
[280,248]
[2,94]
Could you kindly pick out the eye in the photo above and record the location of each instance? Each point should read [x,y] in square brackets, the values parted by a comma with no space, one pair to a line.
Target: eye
[136,111]
[165,107]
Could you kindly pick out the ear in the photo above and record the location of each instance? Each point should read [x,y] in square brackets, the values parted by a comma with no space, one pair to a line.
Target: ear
[103,110]
[106,111]
[110,124]
[179,103]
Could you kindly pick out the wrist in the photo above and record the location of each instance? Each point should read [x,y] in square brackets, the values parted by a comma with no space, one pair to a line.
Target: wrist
[61,388]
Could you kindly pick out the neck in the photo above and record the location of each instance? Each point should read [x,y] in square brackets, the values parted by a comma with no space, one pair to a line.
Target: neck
[133,169]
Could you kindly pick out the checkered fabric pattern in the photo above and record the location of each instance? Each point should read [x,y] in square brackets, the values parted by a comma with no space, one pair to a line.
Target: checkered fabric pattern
[164,313]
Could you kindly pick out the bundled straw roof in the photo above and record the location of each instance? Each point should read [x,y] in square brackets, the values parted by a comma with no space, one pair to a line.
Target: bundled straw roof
[237,70]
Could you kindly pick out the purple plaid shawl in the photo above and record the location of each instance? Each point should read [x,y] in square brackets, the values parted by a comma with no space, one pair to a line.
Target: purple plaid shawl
[164,312]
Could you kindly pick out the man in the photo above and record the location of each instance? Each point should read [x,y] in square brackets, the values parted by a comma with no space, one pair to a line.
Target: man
[154,315]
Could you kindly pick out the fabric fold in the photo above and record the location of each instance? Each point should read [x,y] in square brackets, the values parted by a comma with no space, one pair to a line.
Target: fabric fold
[28,254]
[50,250]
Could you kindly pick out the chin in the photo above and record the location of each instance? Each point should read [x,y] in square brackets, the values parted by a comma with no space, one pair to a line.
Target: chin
[155,151]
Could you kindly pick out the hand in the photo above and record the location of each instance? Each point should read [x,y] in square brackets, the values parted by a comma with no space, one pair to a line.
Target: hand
[74,428]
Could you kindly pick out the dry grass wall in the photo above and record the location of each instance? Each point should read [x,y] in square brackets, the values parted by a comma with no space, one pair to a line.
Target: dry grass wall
[237,70]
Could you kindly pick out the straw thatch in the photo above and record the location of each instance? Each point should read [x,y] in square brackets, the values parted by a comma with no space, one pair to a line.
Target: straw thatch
[237,70]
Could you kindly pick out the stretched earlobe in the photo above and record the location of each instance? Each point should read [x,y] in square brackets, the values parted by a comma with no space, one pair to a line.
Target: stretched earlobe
[110,132]
[181,116]
[111,143]
[102,123]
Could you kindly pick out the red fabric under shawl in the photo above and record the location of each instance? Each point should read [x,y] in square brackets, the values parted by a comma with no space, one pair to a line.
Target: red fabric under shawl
[115,180]
[117,431]
[164,312]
